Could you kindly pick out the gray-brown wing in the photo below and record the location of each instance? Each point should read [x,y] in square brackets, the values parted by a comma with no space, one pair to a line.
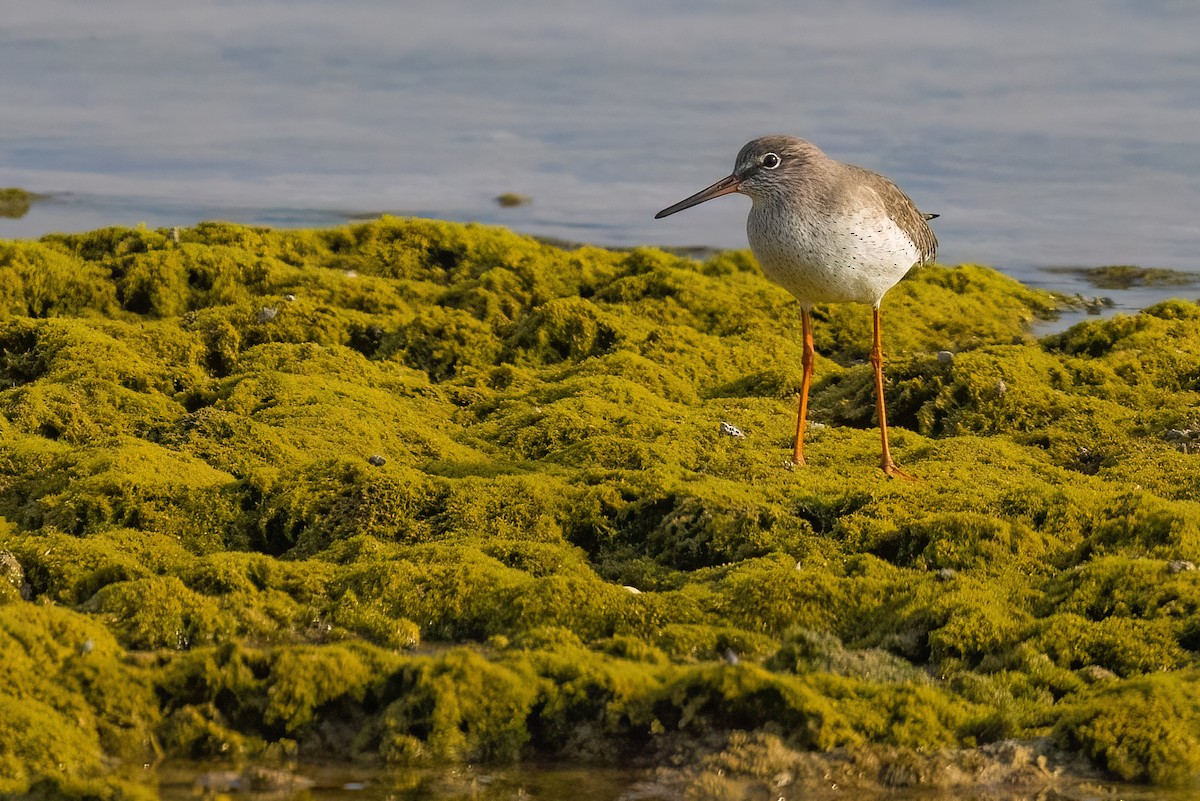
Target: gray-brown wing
[900,208]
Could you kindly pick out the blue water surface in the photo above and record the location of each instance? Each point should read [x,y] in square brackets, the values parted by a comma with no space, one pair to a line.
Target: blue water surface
[1046,134]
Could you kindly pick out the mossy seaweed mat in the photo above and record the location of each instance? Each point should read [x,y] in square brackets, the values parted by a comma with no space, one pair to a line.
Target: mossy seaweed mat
[418,491]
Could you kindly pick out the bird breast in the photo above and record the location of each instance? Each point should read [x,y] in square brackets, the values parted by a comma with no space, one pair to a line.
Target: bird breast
[830,258]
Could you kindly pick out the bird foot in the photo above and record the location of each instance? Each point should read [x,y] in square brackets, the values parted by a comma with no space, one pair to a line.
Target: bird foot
[891,470]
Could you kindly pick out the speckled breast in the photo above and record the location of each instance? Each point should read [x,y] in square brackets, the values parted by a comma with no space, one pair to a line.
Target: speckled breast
[829,259]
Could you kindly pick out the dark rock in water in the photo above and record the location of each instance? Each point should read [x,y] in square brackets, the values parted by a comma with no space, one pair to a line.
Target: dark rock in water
[251,780]
[1096,305]
[265,780]
[756,765]
[218,781]
[511,200]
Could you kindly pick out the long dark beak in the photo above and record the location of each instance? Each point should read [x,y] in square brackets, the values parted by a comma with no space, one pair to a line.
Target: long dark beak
[724,186]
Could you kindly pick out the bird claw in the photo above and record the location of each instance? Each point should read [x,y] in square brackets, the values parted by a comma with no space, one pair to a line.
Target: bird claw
[892,471]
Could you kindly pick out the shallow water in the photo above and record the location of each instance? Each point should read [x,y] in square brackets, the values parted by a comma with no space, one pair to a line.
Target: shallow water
[1045,134]
[184,781]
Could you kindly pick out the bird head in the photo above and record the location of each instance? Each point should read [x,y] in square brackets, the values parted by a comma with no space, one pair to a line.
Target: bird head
[762,169]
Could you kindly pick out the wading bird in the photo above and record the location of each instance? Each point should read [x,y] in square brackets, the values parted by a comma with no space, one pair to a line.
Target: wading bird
[827,232]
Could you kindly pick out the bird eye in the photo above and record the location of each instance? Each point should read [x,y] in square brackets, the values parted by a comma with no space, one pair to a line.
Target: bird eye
[771,161]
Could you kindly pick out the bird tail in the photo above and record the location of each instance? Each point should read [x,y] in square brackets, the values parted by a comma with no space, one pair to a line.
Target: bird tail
[930,216]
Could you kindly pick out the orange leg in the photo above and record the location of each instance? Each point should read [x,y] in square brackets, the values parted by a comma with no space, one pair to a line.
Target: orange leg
[889,467]
[807,362]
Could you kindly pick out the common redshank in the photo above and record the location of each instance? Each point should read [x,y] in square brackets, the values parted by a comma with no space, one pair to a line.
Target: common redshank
[827,232]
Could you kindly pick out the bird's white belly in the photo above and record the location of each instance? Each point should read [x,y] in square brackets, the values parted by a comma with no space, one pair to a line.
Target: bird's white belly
[831,259]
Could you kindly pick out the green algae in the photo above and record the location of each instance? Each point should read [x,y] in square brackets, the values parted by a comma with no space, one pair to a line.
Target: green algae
[1141,730]
[1127,276]
[73,708]
[417,492]
[15,202]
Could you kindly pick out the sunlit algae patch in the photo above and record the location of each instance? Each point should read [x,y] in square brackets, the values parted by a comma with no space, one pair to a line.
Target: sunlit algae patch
[419,492]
